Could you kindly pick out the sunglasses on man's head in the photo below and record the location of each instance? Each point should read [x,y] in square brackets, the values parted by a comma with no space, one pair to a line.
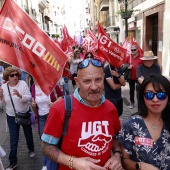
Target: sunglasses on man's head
[86,62]
[12,75]
[160,95]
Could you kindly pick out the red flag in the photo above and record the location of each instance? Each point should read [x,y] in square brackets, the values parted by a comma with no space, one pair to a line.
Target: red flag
[67,42]
[24,45]
[129,42]
[57,43]
[109,50]
[90,42]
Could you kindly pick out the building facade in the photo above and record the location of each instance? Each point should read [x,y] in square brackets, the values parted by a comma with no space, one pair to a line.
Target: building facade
[148,21]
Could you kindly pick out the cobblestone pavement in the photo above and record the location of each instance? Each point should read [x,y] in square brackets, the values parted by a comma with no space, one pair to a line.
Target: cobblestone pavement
[35,163]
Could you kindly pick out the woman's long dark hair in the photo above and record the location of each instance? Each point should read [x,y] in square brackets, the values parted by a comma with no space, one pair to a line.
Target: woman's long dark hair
[158,82]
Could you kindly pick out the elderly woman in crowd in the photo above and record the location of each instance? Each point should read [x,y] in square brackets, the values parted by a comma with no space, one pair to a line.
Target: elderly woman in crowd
[145,137]
[21,97]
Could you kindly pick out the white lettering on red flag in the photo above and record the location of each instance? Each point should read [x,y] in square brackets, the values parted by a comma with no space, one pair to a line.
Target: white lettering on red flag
[27,47]
[109,50]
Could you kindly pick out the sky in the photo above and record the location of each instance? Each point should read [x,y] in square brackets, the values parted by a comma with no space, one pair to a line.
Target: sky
[74,11]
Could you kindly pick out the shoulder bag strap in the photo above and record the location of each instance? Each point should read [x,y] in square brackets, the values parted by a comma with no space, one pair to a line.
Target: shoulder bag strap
[11,98]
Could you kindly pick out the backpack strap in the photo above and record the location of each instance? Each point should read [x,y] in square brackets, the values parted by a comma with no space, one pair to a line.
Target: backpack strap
[68,108]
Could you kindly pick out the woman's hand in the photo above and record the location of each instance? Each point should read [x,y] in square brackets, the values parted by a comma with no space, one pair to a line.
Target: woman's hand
[114,163]
[145,166]
[33,103]
[16,92]
[51,103]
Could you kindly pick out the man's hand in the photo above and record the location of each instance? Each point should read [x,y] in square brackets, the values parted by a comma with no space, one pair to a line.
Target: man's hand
[130,66]
[114,73]
[114,163]
[87,163]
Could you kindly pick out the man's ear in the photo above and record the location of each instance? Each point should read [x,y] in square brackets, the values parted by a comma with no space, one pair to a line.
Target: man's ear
[76,80]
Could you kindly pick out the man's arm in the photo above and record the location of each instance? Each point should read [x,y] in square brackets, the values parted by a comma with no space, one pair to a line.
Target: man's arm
[139,74]
[112,84]
[56,155]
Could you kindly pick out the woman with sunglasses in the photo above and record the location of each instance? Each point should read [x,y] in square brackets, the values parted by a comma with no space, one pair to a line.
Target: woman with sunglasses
[89,55]
[21,97]
[145,137]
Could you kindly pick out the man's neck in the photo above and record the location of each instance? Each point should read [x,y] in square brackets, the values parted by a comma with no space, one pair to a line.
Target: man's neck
[134,56]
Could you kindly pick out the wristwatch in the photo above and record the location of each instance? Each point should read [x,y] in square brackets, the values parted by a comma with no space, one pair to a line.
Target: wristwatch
[138,165]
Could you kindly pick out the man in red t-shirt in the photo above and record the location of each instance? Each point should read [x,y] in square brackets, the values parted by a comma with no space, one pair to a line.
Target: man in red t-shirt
[134,61]
[93,123]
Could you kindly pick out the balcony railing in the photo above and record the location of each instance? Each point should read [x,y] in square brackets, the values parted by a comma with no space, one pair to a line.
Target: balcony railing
[135,3]
[104,5]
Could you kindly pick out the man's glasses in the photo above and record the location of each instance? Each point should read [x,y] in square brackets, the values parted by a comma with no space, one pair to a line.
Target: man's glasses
[12,75]
[133,49]
[86,62]
[150,95]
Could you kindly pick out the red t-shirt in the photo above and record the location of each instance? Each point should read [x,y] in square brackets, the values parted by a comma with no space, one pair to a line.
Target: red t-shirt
[135,62]
[87,127]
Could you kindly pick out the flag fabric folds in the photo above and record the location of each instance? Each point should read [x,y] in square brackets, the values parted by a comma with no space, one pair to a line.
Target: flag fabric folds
[67,42]
[90,42]
[109,50]
[24,45]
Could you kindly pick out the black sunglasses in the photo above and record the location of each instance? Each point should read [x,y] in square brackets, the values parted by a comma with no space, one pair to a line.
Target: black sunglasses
[160,95]
[86,62]
[12,75]
[89,57]
[133,49]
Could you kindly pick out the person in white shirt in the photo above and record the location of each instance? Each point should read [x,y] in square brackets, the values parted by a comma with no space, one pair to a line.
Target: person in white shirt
[21,97]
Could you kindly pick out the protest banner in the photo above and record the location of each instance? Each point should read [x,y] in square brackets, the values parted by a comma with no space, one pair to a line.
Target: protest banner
[23,44]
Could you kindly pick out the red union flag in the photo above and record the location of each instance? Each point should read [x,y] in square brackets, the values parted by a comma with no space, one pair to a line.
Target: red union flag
[109,50]
[24,45]
[90,42]
[67,42]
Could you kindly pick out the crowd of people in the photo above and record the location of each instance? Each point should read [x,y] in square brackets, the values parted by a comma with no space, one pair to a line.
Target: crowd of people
[95,138]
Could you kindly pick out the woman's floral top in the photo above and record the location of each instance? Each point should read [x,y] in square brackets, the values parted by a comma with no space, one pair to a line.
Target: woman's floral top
[137,141]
